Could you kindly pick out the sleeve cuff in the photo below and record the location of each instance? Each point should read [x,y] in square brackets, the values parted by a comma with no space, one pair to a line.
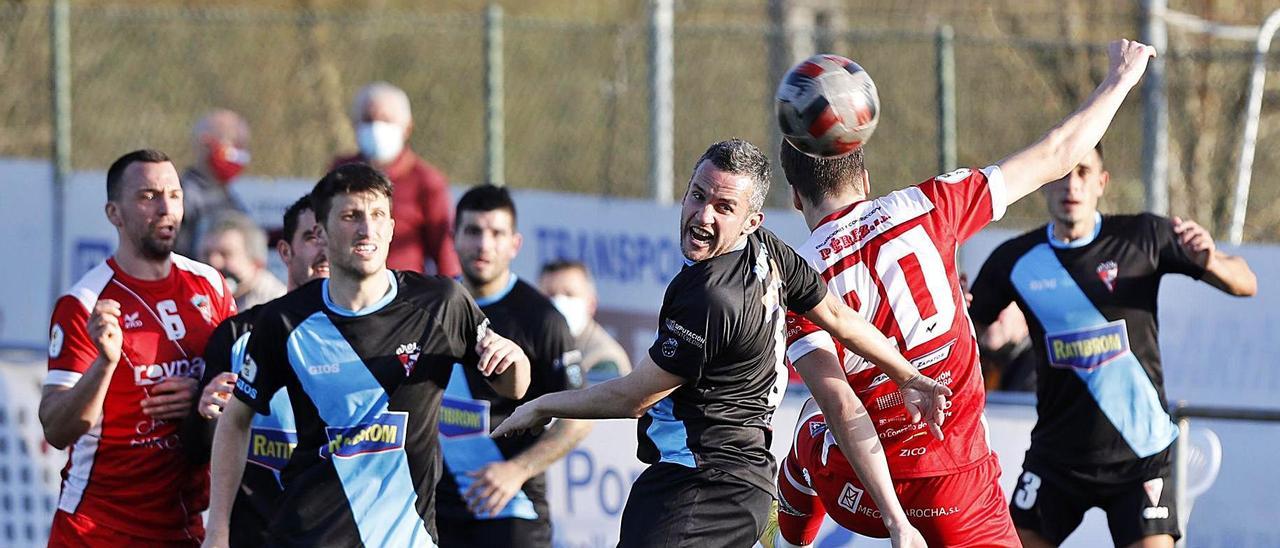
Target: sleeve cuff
[999,196]
[818,340]
[62,377]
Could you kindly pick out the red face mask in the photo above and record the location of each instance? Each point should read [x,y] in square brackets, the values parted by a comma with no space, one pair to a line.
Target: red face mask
[226,161]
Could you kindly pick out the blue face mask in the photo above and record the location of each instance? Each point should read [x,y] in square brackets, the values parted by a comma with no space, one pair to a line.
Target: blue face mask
[380,142]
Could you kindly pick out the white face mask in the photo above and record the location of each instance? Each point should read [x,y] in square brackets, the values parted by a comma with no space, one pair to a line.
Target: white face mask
[575,311]
[380,141]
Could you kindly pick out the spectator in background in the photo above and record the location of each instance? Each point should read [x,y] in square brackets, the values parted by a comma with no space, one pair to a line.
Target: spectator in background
[569,286]
[421,205]
[237,247]
[220,146]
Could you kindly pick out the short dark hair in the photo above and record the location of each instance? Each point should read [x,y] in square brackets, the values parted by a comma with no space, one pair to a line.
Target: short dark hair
[818,178]
[485,198]
[739,157]
[291,216]
[347,179]
[561,265]
[115,173]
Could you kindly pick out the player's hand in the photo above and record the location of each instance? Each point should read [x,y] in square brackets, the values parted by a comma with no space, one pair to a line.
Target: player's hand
[171,398]
[104,330]
[906,536]
[964,288]
[926,399]
[525,418]
[494,486]
[1195,240]
[497,354]
[215,395]
[1129,60]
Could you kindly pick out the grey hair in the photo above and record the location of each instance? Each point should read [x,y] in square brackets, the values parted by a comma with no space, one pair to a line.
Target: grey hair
[380,89]
[255,238]
[739,157]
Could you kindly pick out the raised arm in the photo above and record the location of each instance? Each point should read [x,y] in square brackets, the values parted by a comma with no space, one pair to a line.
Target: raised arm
[1229,273]
[1059,150]
[923,396]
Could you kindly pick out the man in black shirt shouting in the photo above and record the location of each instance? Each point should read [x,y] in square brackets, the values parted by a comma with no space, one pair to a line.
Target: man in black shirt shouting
[706,391]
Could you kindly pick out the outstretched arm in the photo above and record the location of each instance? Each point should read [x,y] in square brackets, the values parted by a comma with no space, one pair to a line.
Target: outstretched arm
[1055,154]
[626,397]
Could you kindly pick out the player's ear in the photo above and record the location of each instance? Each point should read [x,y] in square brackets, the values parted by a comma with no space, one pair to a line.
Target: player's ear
[517,240]
[1103,179]
[112,210]
[754,220]
[283,249]
[795,200]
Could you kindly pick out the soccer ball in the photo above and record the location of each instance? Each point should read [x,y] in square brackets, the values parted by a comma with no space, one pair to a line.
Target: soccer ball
[827,106]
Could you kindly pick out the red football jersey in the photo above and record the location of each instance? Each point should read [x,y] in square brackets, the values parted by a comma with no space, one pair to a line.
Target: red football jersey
[893,259]
[128,471]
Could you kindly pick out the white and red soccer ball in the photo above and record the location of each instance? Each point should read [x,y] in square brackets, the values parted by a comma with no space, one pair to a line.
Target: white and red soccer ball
[827,106]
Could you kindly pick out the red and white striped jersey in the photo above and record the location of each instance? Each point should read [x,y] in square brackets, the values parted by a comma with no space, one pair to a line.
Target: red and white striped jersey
[893,259]
[128,472]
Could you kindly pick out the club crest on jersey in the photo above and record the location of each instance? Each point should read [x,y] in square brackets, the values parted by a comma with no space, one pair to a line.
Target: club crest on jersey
[386,432]
[408,354]
[1107,272]
[954,176]
[55,341]
[1089,348]
[817,428]
[462,418]
[201,302]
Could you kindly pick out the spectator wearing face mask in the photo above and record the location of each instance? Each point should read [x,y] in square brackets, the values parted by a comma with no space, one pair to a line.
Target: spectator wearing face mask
[569,286]
[420,203]
[237,247]
[220,146]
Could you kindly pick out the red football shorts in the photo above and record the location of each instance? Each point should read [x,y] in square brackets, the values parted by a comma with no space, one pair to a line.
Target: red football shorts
[962,509]
[78,530]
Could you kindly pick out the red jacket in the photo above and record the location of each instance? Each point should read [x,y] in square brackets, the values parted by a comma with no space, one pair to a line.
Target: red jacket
[423,210]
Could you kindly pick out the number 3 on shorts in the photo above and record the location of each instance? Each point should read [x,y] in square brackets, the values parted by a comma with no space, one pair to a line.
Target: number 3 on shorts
[1025,496]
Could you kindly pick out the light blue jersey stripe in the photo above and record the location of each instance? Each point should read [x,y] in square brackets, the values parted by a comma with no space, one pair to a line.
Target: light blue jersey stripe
[474,450]
[279,425]
[1120,386]
[669,434]
[366,450]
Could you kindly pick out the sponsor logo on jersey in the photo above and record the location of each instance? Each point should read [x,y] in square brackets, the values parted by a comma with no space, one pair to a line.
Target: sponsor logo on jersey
[954,176]
[201,302]
[324,368]
[55,341]
[669,347]
[147,375]
[386,432]
[132,321]
[850,496]
[244,386]
[271,448]
[1107,272]
[461,418]
[684,333]
[408,354]
[1089,348]
[840,242]
[935,357]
